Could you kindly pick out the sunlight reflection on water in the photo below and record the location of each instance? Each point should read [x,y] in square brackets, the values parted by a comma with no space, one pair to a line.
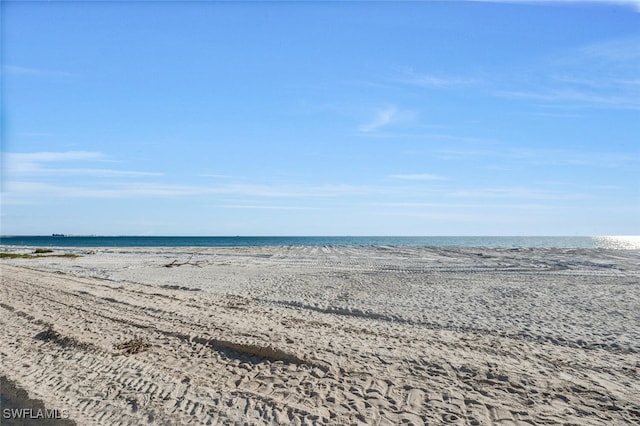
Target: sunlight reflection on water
[628,242]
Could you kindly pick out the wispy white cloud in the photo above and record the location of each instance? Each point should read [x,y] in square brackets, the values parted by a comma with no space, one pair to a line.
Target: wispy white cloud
[635,4]
[433,81]
[266,207]
[35,134]
[38,164]
[108,189]
[600,83]
[290,191]
[33,162]
[383,118]
[43,190]
[541,157]
[516,193]
[571,98]
[29,176]
[619,50]
[570,157]
[217,176]
[601,75]
[427,136]
[93,172]
[444,216]
[466,206]
[418,177]
[45,156]
[29,71]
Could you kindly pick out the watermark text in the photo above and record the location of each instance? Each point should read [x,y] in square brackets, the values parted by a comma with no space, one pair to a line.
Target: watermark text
[34,413]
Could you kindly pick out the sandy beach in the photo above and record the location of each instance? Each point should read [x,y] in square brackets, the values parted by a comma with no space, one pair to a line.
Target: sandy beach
[326,335]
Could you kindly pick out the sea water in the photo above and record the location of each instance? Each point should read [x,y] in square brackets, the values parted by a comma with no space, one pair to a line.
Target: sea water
[622,242]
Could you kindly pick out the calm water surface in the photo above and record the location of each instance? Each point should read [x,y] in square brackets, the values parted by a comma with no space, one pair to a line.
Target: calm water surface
[623,242]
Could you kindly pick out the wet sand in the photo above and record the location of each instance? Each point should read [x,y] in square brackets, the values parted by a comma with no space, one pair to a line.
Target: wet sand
[327,335]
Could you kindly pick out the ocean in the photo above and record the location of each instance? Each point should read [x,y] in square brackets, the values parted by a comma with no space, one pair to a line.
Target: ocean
[623,242]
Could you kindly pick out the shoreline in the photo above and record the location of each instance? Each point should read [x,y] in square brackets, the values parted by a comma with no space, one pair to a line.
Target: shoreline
[275,335]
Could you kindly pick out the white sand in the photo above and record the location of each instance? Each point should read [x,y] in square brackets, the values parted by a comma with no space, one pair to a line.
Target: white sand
[337,335]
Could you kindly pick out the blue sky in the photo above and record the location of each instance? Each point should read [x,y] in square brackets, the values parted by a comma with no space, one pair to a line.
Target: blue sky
[321,118]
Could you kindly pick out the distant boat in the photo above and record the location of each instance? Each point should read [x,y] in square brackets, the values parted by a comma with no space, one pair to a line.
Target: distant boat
[57,235]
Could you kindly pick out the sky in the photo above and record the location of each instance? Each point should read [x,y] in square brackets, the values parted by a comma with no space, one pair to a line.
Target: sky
[321,118]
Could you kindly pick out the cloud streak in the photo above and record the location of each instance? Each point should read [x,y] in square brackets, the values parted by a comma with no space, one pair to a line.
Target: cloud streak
[28,189]
[37,164]
[48,156]
[266,207]
[621,50]
[515,193]
[25,173]
[28,71]
[542,157]
[635,4]
[432,81]
[383,118]
[571,98]
[600,75]
[417,177]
